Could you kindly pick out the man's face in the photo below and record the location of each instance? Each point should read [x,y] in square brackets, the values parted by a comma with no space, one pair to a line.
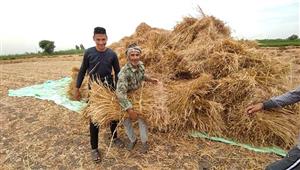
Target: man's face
[100,40]
[134,58]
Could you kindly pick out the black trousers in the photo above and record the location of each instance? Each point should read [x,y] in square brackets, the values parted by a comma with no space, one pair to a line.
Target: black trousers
[94,133]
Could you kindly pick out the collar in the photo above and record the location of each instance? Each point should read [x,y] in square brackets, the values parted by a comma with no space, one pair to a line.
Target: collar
[133,69]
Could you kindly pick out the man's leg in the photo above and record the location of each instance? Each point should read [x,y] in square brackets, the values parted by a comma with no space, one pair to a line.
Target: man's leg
[130,133]
[144,135]
[94,130]
[290,162]
[113,128]
[143,130]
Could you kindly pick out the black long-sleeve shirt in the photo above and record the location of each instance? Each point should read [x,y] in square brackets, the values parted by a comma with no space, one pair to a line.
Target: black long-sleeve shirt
[108,60]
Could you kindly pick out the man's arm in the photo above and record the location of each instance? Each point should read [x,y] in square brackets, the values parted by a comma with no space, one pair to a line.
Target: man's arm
[288,98]
[116,67]
[80,76]
[278,101]
[82,70]
[146,77]
[121,91]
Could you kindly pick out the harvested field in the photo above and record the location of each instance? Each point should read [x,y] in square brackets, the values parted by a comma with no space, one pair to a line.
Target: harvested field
[37,134]
[223,75]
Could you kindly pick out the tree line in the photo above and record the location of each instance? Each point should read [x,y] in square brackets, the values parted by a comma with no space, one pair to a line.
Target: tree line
[48,46]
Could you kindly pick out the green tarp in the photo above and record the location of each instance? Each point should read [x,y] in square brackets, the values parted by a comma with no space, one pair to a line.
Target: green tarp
[275,150]
[55,90]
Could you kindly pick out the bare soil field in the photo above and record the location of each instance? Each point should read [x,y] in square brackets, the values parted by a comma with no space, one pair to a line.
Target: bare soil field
[38,134]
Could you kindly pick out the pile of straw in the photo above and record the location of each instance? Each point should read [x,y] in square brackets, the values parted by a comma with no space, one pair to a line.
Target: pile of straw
[190,110]
[208,79]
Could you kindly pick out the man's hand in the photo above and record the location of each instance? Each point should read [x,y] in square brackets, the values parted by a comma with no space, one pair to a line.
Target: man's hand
[254,108]
[77,94]
[132,114]
[153,80]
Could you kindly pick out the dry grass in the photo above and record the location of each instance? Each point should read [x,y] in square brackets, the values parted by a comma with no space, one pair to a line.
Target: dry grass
[270,127]
[38,134]
[210,78]
[190,110]
[200,90]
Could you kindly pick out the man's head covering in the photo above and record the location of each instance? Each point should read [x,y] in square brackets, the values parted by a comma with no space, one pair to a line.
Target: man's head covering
[99,30]
[133,48]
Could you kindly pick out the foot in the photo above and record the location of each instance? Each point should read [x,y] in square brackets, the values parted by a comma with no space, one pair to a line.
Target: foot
[96,155]
[131,145]
[118,142]
[145,148]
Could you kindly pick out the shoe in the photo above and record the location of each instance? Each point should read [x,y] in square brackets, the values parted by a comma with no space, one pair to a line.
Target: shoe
[131,145]
[145,148]
[118,142]
[96,155]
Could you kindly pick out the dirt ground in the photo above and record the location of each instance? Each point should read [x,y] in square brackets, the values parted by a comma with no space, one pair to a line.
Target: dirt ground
[38,134]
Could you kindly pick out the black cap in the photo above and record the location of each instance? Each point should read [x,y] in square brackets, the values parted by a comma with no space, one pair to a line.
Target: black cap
[99,30]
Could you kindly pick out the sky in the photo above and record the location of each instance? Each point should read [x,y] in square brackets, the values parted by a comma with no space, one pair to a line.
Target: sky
[68,23]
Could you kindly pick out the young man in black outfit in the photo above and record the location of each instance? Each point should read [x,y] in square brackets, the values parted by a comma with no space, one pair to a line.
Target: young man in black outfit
[98,62]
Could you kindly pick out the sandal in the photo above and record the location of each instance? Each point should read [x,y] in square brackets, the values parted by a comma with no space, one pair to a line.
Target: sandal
[145,148]
[96,155]
[118,142]
[131,145]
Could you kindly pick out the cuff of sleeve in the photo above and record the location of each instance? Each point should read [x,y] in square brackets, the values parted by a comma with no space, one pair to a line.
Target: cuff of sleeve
[268,104]
[129,106]
[78,85]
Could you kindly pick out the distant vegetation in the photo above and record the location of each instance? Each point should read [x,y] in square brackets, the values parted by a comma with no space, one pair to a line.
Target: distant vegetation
[278,42]
[30,55]
[80,47]
[47,46]
[292,40]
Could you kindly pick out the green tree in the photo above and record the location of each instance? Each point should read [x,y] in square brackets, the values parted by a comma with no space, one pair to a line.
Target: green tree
[47,46]
[82,47]
[76,47]
[293,37]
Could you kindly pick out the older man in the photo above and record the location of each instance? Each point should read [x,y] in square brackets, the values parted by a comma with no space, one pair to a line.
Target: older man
[131,77]
[292,160]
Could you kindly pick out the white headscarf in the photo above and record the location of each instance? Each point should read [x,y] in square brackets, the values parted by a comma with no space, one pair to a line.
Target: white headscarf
[133,49]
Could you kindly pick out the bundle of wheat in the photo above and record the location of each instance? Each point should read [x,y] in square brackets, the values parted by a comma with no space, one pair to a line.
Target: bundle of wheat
[103,105]
[72,86]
